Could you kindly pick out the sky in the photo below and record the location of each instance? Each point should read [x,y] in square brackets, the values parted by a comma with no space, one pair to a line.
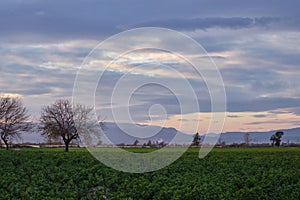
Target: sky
[254,44]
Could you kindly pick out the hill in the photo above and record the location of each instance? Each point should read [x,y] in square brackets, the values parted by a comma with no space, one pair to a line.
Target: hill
[116,135]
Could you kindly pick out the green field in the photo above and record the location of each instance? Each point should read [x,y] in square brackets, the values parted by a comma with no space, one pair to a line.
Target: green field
[233,173]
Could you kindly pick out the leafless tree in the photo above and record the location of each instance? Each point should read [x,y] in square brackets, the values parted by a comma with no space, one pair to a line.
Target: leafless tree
[13,119]
[247,138]
[61,119]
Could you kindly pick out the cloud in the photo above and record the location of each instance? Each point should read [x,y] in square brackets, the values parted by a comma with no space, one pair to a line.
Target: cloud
[233,116]
[60,20]
[254,43]
[27,80]
[256,79]
[192,24]
[262,104]
[260,116]
[140,101]
[12,95]
[273,121]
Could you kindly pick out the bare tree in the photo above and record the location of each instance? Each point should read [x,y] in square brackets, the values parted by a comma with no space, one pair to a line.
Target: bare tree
[273,139]
[61,119]
[13,119]
[87,129]
[247,139]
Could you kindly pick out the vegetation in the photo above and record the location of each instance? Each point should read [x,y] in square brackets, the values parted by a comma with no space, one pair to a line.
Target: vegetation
[247,139]
[226,173]
[196,140]
[13,119]
[276,138]
[62,119]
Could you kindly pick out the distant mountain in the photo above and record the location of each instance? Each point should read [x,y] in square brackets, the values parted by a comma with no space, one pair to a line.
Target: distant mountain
[130,133]
[127,136]
[117,135]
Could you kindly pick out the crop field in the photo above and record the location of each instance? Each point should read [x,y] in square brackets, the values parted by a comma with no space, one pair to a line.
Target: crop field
[233,173]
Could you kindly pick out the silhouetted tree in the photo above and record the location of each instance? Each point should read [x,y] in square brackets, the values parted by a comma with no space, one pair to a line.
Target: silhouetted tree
[13,119]
[196,140]
[149,143]
[60,119]
[135,143]
[276,138]
[161,143]
[272,138]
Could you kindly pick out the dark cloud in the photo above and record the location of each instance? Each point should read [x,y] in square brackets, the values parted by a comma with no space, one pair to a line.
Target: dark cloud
[262,104]
[244,94]
[259,80]
[55,20]
[275,121]
[260,116]
[279,112]
[279,58]
[233,116]
[28,80]
[150,94]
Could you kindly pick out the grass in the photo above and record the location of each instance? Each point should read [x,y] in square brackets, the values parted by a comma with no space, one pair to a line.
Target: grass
[225,173]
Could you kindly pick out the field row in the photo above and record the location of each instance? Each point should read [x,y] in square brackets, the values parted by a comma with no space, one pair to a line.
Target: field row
[235,173]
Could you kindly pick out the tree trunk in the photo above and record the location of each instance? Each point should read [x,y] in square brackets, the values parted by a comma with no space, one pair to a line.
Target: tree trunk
[67,146]
[6,144]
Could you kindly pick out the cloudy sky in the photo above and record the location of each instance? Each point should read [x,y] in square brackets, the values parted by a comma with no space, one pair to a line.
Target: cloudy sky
[255,45]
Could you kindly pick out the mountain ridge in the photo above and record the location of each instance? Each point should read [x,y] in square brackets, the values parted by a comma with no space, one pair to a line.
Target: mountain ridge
[116,135]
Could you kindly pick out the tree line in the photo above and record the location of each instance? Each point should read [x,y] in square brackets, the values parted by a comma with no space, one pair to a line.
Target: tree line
[62,119]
